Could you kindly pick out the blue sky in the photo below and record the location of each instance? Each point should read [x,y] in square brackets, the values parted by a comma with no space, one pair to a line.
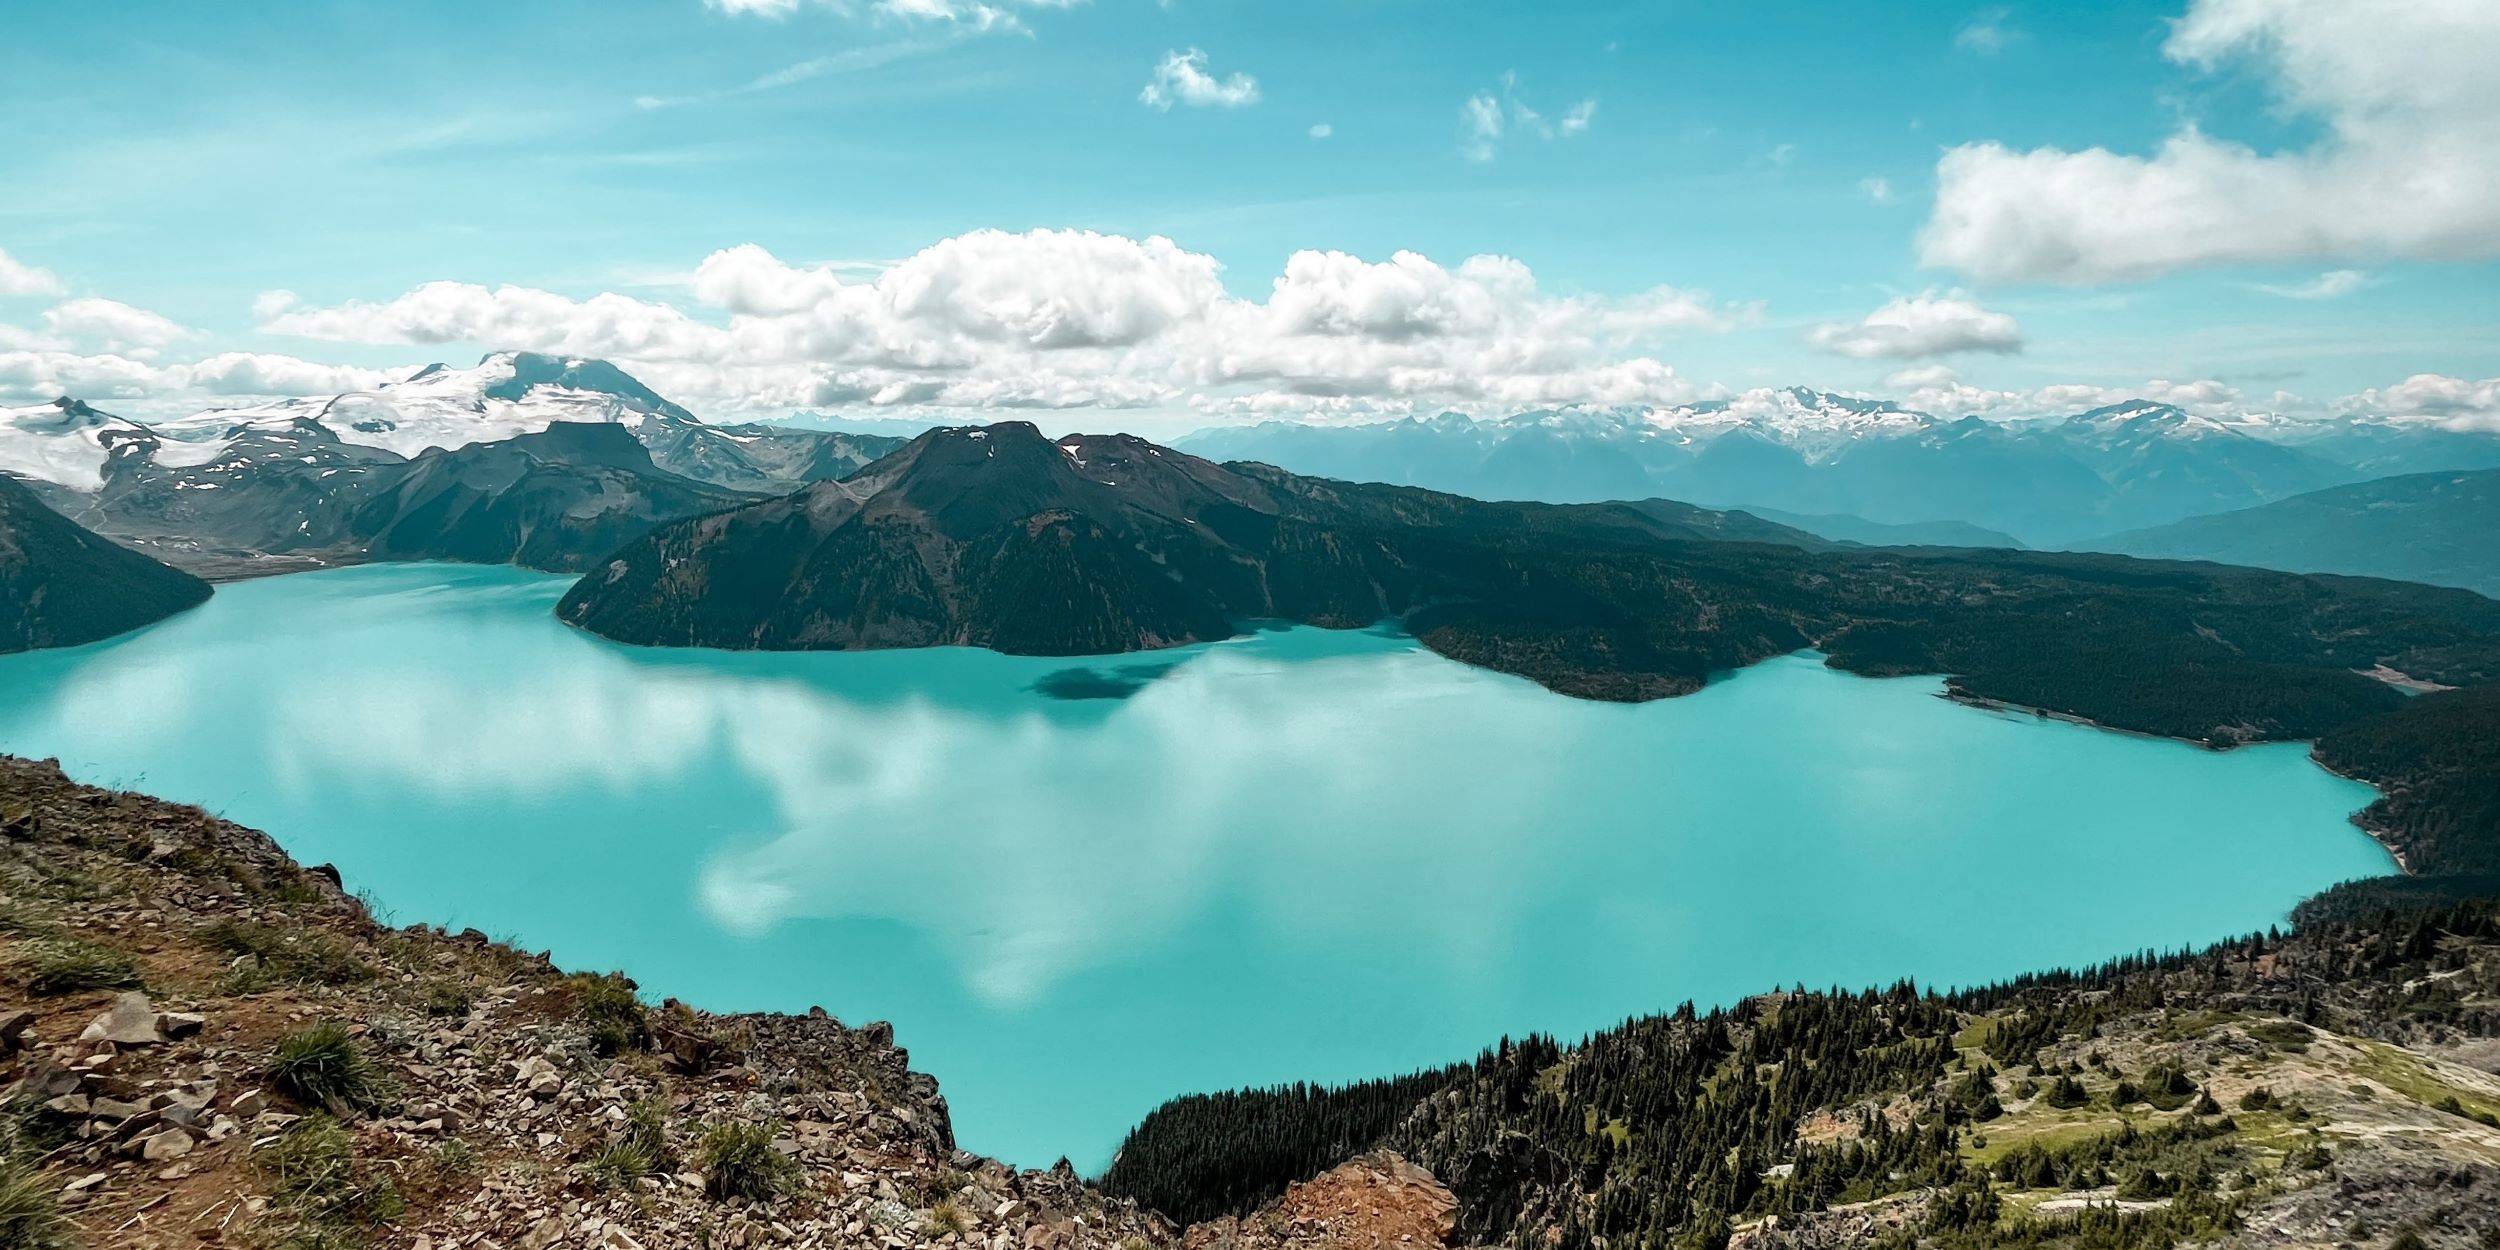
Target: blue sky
[1776,163]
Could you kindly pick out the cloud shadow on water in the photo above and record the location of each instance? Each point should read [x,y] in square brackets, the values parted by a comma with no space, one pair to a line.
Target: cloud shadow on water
[1092,683]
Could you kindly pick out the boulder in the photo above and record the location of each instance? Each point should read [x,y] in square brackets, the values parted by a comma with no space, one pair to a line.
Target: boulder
[130,1022]
[171,1144]
[14,1024]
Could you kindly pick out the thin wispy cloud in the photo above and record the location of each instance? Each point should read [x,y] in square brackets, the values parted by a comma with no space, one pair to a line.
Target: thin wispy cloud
[848,60]
[1487,117]
[975,15]
[1987,33]
[2333,284]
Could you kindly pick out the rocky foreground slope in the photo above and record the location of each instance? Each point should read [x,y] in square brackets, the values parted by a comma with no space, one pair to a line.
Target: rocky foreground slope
[205,1044]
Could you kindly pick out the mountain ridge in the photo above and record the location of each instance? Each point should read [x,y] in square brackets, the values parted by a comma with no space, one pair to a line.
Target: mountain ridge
[63,585]
[2437,528]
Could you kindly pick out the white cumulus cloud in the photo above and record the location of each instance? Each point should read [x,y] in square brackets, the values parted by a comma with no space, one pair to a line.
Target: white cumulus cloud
[265,373]
[1182,78]
[1921,325]
[20,278]
[1071,318]
[2460,402]
[2410,110]
[112,326]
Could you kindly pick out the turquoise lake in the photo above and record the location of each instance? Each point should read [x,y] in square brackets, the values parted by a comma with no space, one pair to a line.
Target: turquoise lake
[1300,854]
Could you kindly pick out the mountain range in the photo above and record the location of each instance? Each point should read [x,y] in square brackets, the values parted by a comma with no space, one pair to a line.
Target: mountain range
[527,459]
[2047,482]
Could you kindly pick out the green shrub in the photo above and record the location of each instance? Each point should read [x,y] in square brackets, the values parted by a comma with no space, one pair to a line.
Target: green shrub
[739,1161]
[617,1019]
[947,1218]
[323,1067]
[639,1151]
[30,1219]
[2258,1098]
[68,967]
[2066,1093]
[448,999]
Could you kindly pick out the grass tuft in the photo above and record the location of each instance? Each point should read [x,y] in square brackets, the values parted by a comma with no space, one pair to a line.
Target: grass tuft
[315,1176]
[285,956]
[739,1161]
[68,967]
[946,1218]
[30,1218]
[323,1067]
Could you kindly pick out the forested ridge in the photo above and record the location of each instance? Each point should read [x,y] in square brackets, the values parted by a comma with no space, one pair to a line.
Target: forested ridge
[998,537]
[1673,1130]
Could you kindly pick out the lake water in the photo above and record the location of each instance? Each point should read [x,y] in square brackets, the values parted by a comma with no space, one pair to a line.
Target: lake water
[1298,854]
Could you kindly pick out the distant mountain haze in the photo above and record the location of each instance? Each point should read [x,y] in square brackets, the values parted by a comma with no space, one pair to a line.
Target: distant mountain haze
[1850,529]
[2440,528]
[1807,453]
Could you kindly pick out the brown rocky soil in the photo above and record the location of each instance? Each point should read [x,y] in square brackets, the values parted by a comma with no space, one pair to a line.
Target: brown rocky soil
[1376,1202]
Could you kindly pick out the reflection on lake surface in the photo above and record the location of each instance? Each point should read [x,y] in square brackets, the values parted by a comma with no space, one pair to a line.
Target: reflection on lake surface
[1079,887]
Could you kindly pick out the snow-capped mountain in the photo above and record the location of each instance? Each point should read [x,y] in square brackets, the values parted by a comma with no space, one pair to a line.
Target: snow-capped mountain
[1806,452]
[1815,423]
[67,443]
[540,460]
[506,394]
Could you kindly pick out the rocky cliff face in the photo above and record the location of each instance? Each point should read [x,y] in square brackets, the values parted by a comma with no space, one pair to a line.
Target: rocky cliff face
[62,585]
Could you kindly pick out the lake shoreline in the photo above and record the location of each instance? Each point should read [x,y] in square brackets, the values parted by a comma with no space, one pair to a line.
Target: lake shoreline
[924,836]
